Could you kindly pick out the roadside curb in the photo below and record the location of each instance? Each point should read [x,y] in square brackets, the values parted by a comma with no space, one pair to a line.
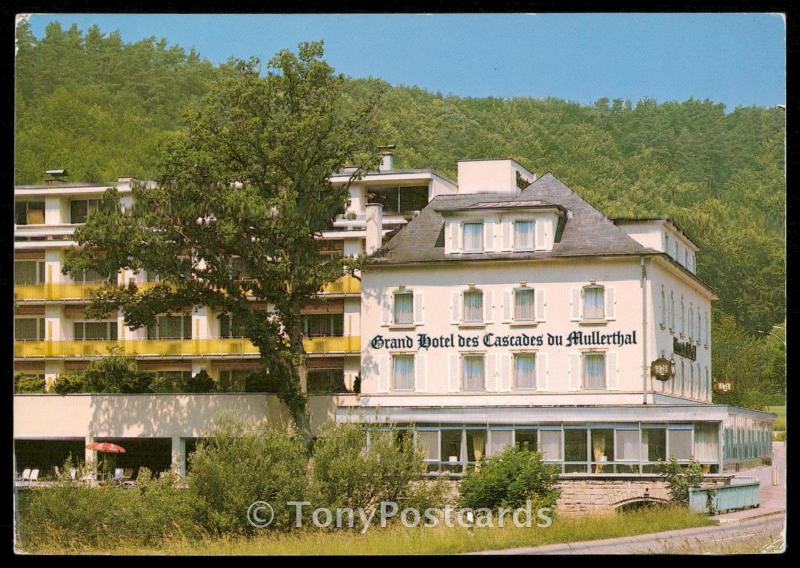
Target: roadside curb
[760,515]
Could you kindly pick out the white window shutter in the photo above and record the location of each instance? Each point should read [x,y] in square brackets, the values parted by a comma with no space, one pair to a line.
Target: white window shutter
[539,232]
[541,304]
[455,307]
[387,308]
[419,307]
[384,370]
[508,305]
[506,361]
[508,235]
[574,371]
[453,373]
[575,304]
[611,303]
[456,229]
[488,306]
[542,370]
[488,235]
[491,373]
[421,373]
[612,372]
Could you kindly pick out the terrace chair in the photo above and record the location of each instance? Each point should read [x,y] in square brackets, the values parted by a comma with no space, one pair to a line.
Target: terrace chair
[73,473]
[34,477]
[117,475]
[127,478]
[26,474]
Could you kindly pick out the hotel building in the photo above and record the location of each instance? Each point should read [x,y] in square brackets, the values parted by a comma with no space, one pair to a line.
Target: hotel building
[502,309]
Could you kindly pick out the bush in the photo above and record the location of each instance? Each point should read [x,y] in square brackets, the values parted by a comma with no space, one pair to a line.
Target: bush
[69,383]
[116,373]
[348,473]
[242,463]
[680,478]
[509,479]
[28,383]
[199,383]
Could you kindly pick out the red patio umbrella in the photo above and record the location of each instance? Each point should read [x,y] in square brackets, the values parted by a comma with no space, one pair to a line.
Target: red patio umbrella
[106,447]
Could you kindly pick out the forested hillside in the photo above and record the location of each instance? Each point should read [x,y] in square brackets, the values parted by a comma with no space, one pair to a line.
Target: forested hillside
[99,107]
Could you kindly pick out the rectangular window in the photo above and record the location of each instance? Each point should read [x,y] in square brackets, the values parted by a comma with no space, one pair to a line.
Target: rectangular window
[524,307]
[680,444]
[171,327]
[523,235]
[476,445]
[28,272]
[594,371]
[324,325]
[499,441]
[428,443]
[474,379]
[473,237]
[706,442]
[326,381]
[654,444]
[29,329]
[95,330]
[593,302]
[451,450]
[403,372]
[80,209]
[627,445]
[473,306]
[229,328]
[575,450]
[602,448]
[403,307]
[551,445]
[526,439]
[525,371]
[234,380]
[29,212]
[90,276]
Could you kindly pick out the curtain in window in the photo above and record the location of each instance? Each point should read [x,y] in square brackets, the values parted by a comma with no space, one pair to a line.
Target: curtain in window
[500,440]
[428,443]
[473,306]
[593,303]
[594,371]
[525,371]
[476,445]
[403,377]
[403,307]
[523,235]
[524,304]
[706,442]
[473,236]
[627,446]
[473,373]
[551,444]
[680,444]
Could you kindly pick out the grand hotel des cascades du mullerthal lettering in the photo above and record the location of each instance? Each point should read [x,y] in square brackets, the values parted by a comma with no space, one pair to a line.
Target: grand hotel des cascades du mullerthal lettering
[453,340]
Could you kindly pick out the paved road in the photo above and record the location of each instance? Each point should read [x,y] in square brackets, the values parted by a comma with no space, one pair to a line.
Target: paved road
[697,538]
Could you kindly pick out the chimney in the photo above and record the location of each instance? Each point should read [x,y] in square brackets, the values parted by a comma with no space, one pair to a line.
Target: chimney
[374,227]
[387,157]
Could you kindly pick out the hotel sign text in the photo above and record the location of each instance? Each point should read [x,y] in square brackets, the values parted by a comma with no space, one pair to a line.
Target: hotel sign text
[456,340]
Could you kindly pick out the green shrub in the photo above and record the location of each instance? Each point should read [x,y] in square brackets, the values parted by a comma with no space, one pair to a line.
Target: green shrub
[69,383]
[348,473]
[242,463]
[28,383]
[509,479]
[115,373]
[199,383]
[680,478]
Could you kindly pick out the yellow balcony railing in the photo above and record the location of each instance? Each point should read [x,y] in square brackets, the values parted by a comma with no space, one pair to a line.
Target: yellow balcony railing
[173,347]
[344,285]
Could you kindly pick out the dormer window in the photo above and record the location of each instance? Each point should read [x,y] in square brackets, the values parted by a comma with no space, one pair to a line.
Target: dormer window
[523,235]
[593,302]
[473,237]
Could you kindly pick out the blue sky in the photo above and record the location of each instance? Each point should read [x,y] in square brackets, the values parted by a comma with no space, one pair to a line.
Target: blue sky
[736,59]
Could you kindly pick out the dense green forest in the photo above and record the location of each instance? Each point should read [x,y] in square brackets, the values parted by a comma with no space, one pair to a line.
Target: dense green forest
[99,107]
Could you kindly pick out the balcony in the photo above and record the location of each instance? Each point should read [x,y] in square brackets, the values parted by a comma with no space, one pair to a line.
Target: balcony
[70,291]
[173,347]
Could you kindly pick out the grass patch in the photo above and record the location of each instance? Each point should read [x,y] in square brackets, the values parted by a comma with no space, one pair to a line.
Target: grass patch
[401,540]
[780,422]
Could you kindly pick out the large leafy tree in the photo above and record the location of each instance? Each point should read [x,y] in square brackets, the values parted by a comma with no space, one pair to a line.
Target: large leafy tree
[233,222]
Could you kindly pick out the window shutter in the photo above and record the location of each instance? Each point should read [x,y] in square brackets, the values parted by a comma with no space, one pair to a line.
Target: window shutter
[387,307]
[384,370]
[491,373]
[611,303]
[575,304]
[541,303]
[455,307]
[539,231]
[506,360]
[508,235]
[455,237]
[419,307]
[488,235]
[574,371]
[488,306]
[542,370]
[421,373]
[453,373]
[611,371]
[508,305]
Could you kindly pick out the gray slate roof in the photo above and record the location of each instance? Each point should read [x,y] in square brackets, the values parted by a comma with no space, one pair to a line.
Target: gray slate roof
[587,232]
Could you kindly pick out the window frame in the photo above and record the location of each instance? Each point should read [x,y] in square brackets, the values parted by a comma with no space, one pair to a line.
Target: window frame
[515,294]
[393,383]
[514,224]
[395,320]
[464,320]
[584,296]
[476,356]
[594,354]
[464,248]
[516,356]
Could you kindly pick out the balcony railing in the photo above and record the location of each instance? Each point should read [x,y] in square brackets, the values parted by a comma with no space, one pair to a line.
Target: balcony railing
[174,347]
[72,291]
